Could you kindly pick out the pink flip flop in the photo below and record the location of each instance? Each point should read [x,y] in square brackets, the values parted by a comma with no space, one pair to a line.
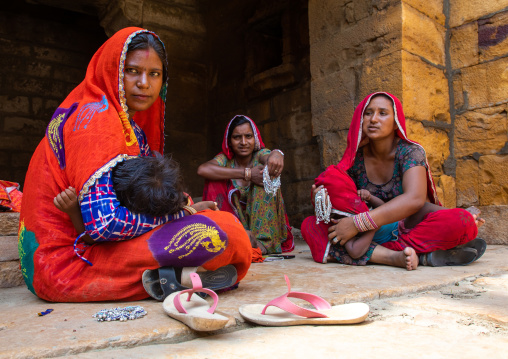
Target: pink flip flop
[195,311]
[282,312]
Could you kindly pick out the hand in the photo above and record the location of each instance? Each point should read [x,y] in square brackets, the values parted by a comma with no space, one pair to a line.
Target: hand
[67,201]
[364,195]
[342,230]
[256,175]
[275,163]
[201,206]
[314,191]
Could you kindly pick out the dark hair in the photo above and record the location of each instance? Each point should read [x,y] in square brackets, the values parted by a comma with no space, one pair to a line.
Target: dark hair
[239,120]
[149,185]
[146,40]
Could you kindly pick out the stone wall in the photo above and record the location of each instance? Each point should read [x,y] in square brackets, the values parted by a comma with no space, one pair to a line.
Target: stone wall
[259,67]
[447,62]
[479,63]
[43,55]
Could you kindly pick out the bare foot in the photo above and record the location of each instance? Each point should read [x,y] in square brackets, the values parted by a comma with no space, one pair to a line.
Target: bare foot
[407,259]
[476,215]
[262,247]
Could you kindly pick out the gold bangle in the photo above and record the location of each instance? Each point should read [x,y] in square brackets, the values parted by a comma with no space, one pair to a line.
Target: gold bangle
[247,174]
[189,210]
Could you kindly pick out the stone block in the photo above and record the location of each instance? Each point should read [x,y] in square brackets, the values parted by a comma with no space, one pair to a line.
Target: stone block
[432,8]
[425,90]
[493,186]
[495,229]
[59,56]
[333,145]
[14,48]
[381,74]
[4,159]
[9,223]
[8,248]
[463,11]
[18,142]
[464,45]
[302,163]
[174,17]
[10,274]
[292,101]
[260,111]
[333,102]
[486,84]
[466,182]
[69,74]
[493,36]
[484,131]
[325,17]
[435,142]
[422,36]
[15,104]
[297,200]
[296,129]
[24,125]
[449,195]
[370,38]
[182,46]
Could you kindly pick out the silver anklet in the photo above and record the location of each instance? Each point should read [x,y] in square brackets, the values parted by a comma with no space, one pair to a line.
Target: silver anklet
[322,206]
[271,186]
[121,314]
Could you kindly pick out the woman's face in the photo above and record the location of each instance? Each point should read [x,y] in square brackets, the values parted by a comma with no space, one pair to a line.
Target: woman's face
[142,79]
[242,140]
[378,118]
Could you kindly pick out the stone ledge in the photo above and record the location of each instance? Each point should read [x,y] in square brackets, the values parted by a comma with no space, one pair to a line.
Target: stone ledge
[9,248]
[9,222]
[10,274]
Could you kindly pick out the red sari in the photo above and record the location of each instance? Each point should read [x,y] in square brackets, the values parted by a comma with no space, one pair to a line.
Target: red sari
[441,230]
[87,136]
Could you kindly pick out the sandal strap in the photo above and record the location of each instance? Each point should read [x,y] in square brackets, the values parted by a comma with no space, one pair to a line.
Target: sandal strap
[285,304]
[197,286]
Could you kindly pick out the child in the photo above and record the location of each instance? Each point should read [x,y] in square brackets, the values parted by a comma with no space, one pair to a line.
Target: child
[148,185]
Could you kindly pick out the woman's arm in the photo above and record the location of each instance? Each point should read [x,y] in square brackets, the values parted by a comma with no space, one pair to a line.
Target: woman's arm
[211,170]
[414,185]
[358,247]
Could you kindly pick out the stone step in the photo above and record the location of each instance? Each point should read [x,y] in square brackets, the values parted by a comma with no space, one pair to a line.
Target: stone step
[10,273]
[9,222]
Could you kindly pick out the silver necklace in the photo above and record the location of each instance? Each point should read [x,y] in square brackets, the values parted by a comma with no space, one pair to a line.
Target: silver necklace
[271,186]
[322,206]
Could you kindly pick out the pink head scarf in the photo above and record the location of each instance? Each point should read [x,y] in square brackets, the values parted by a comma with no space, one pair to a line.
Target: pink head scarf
[258,142]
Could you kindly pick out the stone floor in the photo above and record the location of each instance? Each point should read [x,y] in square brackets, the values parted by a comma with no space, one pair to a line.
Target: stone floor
[447,312]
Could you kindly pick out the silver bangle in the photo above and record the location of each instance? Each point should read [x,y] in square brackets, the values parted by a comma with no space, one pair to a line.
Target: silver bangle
[282,153]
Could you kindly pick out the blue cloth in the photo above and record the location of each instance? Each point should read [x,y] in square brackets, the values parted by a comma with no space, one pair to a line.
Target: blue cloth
[387,233]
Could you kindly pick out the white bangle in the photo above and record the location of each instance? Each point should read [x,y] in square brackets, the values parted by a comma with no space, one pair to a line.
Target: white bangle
[282,153]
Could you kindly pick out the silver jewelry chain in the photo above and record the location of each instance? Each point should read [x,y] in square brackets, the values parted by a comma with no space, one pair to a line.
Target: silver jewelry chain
[121,314]
[271,186]
[323,206]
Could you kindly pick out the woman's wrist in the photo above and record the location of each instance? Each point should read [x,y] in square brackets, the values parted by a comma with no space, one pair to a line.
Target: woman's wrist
[247,174]
[189,210]
[277,150]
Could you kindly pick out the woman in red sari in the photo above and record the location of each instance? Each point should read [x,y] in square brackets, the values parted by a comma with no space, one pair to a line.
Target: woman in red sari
[381,159]
[115,113]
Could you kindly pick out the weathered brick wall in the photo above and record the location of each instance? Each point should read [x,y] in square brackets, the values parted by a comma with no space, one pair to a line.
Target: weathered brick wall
[446,61]
[259,67]
[479,61]
[43,54]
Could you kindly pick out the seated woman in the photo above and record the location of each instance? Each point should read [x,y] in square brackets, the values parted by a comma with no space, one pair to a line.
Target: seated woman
[116,112]
[382,160]
[234,179]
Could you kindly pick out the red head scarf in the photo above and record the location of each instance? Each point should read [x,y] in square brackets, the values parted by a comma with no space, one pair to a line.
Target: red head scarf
[90,131]
[355,136]
[257,138]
